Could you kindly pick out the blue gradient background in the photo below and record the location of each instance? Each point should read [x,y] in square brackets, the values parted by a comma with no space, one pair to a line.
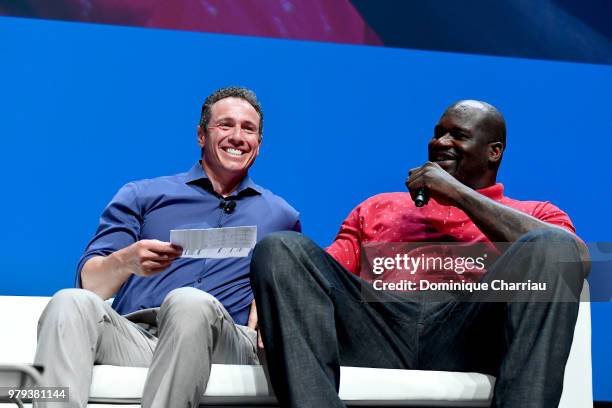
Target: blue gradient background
[86,108]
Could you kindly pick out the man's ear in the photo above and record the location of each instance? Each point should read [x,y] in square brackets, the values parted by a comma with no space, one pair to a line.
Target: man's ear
[496,150]
[260,143]
[201,136]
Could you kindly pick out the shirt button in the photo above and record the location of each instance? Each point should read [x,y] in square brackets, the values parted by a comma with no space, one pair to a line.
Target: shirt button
[199,280]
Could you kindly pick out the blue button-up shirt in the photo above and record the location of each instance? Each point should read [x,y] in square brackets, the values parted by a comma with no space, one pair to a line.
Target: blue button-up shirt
[149,209]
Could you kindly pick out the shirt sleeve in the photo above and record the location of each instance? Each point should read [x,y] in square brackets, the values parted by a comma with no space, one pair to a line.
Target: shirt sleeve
[553,215]
[346,248]
[119,227]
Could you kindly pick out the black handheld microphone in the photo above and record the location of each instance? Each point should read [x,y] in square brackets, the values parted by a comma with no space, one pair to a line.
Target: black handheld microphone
[421,197]
[228,206]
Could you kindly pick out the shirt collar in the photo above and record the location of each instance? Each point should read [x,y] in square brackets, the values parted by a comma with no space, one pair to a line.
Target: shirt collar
[494,192]
[197,174]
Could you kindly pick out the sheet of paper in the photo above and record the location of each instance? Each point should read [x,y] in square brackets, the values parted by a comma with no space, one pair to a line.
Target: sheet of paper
[229,242]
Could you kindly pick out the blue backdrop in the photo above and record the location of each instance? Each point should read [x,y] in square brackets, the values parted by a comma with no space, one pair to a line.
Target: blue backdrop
[86,108]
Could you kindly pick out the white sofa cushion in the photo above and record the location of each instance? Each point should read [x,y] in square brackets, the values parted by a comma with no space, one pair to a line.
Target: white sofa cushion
[19,316]
[356,384]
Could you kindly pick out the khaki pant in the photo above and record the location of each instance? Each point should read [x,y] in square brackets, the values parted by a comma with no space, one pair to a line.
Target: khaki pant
[78,329]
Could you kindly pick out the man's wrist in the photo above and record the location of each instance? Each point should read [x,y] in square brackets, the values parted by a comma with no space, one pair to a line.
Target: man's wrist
[116,263]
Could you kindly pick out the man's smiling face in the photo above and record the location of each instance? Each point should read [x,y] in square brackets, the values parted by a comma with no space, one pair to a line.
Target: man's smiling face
[232,139]
[461,146]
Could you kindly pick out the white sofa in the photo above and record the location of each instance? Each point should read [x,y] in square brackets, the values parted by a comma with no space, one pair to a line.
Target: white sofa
[232,385]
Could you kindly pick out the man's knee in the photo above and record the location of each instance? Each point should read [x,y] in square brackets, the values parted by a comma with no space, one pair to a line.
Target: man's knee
[75,299]
[561,252]
[191,306]
[555,242]
[547,234]
[272,252]
[68,304]
[279,242]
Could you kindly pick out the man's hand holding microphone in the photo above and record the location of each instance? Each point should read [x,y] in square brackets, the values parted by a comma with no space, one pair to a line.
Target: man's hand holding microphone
[432,181]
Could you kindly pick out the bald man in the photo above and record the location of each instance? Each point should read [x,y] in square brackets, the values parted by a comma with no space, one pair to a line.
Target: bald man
[317,313]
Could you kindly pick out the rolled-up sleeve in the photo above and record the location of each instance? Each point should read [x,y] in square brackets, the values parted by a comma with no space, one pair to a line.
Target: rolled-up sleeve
[119,227]
[553,215]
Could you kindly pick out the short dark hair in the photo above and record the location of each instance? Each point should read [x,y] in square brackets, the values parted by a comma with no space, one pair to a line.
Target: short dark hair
[230,92]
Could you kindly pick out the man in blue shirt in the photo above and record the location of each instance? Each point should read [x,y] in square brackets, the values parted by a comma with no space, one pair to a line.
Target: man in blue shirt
[190,312]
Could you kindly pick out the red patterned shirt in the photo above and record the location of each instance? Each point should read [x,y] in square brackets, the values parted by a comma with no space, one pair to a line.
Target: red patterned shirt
[393,217]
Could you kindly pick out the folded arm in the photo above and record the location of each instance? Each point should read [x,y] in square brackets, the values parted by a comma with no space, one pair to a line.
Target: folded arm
[497,221]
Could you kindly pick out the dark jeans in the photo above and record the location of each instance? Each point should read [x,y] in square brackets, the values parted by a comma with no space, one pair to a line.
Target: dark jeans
[314,319]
